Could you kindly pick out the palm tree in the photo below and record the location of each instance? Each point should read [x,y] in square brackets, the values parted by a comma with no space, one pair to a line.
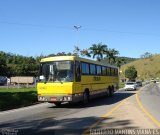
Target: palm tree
[97,50]
[85,52]
[120,62]
[76,51]
[111,55]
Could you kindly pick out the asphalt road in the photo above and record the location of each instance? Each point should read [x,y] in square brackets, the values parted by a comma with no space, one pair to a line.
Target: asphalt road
[150,98]
[69,119]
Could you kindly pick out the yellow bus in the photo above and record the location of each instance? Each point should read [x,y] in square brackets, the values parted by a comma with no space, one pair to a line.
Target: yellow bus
[75,79]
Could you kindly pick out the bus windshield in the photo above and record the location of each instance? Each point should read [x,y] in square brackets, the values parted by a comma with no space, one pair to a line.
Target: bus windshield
[57,71]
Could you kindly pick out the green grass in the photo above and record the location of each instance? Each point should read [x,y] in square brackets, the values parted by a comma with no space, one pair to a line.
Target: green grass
[15,98]
[121,85]
[17,90]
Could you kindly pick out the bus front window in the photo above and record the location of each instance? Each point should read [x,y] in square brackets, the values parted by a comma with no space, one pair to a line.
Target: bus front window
[59,71]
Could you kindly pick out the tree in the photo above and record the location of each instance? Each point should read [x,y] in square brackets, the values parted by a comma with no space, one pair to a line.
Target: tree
[76,51]
[131,73]
[85,52]
[51,55]
[61,54]
[69,54]
[120,61]
[111,55]
[3,66]
[97,50]
[146,55]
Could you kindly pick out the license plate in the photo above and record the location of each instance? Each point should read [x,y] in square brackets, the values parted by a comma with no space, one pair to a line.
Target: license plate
[53,99]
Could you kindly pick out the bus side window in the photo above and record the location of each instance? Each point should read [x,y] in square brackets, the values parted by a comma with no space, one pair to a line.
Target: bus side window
[78,72]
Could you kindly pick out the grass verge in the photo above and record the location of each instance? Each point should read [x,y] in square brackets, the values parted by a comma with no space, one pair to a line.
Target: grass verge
[15,98]
[121,85]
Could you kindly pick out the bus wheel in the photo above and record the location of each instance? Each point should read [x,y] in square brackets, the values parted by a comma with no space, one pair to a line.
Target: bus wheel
[107,92]
[57,104]
[111,91]
[85,98]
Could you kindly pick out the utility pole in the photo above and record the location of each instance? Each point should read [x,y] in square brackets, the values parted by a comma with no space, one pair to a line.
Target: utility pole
[77,28]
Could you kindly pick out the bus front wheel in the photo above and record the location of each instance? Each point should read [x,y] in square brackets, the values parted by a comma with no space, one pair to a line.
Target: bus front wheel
[85,98]
[111,91]
[57,104]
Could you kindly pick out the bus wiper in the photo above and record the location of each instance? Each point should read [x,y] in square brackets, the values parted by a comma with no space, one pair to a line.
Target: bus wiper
[45,81]
[58,78]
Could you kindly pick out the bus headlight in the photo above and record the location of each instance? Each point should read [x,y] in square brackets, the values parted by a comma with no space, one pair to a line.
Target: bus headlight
[42,99]
[67,98]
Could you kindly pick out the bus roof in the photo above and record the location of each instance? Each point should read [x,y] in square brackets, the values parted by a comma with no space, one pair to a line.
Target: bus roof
[62,58]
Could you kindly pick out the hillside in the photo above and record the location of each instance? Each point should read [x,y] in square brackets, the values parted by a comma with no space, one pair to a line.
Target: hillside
[147,68]
[128,59]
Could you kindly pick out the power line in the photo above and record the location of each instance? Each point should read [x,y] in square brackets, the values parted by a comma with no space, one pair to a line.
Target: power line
[35,25]
[82,29]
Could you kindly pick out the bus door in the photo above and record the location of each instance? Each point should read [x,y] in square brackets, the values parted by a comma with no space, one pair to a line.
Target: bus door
[78,76]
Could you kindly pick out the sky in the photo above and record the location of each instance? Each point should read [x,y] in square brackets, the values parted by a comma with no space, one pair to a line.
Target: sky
[35,27]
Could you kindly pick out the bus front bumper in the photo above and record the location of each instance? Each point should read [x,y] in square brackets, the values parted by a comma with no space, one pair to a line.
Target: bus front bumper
[60,98]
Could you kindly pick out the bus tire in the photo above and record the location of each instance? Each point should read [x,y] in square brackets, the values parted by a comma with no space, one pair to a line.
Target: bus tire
[107,92]
[58,104]
[111,91]
[85,98]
